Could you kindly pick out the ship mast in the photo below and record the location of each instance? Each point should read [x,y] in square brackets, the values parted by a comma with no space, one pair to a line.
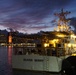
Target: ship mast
[62,22]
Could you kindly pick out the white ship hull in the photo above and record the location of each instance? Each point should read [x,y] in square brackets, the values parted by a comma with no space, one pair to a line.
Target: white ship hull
[37,63]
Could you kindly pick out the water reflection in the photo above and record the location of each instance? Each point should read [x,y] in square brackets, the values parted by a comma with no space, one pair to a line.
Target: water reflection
[9,59]
[9,55]
[5,60]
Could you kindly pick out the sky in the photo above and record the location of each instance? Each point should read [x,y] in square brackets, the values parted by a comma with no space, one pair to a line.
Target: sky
[32,16]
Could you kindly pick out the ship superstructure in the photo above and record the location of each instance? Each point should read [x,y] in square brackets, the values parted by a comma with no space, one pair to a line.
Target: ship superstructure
[47,51]
[67,35]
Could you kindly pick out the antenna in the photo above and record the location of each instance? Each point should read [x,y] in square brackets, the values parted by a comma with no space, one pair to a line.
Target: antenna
[62,22]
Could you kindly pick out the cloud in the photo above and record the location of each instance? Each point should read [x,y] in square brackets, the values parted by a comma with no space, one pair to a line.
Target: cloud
[73,23]
[25,14]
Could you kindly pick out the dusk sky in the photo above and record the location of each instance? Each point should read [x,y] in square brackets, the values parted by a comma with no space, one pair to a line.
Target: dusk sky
[32,16]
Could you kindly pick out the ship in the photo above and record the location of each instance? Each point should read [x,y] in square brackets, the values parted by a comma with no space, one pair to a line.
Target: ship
[45,53]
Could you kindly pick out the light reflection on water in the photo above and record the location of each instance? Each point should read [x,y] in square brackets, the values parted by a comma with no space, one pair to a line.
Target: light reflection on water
[9,54]
[5,67]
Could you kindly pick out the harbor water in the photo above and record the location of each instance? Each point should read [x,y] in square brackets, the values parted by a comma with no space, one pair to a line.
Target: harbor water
[5,61]
[6,64]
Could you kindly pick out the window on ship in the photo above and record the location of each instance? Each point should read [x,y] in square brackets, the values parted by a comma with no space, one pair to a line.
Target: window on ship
[54,53]
[39,51]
